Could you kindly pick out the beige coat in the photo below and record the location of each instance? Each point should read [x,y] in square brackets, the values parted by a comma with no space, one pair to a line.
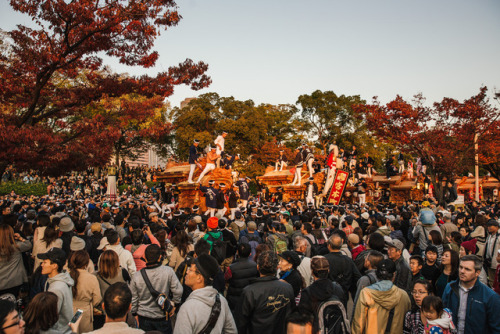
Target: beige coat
[373,308]
[88,296]
[479,234]
[176,258]
[40,247]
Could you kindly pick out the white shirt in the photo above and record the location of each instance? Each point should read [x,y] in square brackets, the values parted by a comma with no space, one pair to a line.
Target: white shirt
[125,257]
[462,308]
[220,141]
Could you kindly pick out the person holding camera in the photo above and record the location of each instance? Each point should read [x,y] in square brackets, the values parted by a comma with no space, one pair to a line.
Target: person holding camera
[150,288]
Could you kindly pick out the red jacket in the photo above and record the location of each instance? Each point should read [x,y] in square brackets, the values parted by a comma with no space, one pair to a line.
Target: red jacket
[356,250]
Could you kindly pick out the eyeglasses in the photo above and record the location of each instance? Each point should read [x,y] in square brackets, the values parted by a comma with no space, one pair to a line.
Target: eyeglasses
[20,317]
[194,270]
[419,293]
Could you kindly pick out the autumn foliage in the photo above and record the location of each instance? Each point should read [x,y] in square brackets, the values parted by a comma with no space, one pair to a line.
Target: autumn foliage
[51,74]
[443,134]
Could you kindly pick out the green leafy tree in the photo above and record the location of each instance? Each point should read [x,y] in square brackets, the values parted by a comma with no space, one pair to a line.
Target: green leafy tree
[327,116]
[248,126]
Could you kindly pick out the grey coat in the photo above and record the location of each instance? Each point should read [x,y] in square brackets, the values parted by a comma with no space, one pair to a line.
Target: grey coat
[163,280]
[195,312]
[12,271]
[61,285]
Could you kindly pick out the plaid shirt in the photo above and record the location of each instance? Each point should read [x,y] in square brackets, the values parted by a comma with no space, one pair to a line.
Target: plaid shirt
[413,324]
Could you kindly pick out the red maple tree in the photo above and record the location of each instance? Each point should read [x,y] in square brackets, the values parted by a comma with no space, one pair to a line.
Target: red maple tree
[50,74]
[442,134]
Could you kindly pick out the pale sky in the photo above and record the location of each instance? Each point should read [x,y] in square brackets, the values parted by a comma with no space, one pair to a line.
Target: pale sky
[272,51]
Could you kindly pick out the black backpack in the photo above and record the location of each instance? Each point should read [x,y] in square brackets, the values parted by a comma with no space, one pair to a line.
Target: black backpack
[316,248]
[219,247]
[332,318]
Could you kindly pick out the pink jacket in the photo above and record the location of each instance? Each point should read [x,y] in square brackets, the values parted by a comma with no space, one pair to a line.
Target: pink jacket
[139,252]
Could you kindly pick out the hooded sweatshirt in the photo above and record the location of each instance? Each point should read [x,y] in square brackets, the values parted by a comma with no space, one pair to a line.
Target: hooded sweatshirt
[61,285]
[195,312]
[444,323]
[211,236]
[374,305]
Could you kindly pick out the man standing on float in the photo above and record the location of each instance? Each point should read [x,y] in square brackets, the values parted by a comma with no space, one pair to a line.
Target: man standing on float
[193,159]
[298,167]
[332,167]
[308,158]
[219,145]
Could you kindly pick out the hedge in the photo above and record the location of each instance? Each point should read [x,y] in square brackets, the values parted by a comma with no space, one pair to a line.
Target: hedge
[123,187]
[21,188]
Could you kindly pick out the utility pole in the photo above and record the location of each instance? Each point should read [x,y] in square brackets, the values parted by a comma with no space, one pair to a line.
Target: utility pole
[476,158]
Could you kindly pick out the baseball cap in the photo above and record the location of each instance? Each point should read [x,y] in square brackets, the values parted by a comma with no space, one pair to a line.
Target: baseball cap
[103,243]
[396,244]
[386,265]
[207,266]
[55,255]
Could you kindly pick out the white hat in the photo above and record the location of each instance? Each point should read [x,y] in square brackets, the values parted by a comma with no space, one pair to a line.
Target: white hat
[104,242]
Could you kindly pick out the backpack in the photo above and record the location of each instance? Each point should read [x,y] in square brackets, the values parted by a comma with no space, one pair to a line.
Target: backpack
[316,248]
[253,241]
[279,245]
[332,318]
[219,247]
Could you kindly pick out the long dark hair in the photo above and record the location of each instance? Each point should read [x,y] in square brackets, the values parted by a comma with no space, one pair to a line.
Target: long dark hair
[8,244]
[41,313]
[79,260]
[454,261]
[181,241]
[49,235]
[109,263]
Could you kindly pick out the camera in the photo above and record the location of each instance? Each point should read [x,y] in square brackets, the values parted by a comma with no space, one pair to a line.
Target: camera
[164,303]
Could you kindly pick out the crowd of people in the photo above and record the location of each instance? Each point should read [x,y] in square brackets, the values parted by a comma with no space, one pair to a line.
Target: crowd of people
[76,261]
[140,264]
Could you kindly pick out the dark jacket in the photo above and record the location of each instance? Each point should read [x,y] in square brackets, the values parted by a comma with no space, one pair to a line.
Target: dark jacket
[231,243]
[66,239]
[294,279]
[265,304]
[243,271]
[210,196]
[403,275]
[193,154]
[483,305]
[220,199]
[318,292]
[232,198]
[243,189]
[298,162]
[344,272]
